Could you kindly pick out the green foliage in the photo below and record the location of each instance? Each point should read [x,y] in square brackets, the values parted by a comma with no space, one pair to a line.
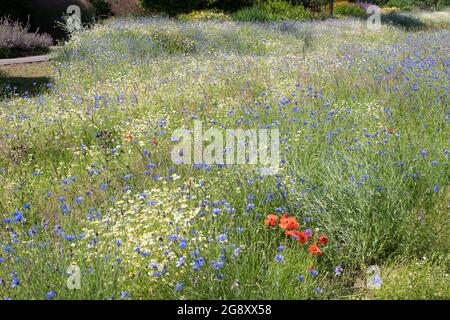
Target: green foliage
[348,9]
[173,7]
[254,13]
[402,4]
[203,15]
[272,10]
[415,280]
[231,5]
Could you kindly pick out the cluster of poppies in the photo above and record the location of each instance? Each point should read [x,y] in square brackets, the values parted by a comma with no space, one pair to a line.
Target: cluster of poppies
[290,226]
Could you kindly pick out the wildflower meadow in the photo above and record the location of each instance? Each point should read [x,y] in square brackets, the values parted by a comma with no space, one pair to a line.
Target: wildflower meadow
[105,194]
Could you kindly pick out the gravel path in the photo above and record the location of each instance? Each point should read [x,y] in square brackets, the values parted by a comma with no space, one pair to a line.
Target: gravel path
[4,62]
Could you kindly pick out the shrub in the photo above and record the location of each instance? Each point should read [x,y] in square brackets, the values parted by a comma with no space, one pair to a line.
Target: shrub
[16,41]
[254,13]
[204,15]
[273,10]
[281,10]
[389,10]
[348,9]
[173,7]
[401,4]
[231,5]
[102,8]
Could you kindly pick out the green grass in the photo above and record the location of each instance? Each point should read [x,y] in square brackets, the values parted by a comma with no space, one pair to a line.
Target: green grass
[87,178]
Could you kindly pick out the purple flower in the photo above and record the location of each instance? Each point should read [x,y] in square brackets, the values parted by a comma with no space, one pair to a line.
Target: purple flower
[279,258]
[338,270]
[179,286]
[222,238]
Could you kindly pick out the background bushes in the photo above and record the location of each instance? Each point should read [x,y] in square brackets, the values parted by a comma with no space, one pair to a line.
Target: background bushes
[16,41]
[273,10]
[173,7]
[348,9]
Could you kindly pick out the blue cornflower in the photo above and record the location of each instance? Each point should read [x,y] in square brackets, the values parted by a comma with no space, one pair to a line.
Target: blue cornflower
[180,262]
[15,281]
[280,248]
[78,200]
[65,208]
[198,263]
[51,294]
[436,188]
[179,286]
[195,253]
[18,216]
[183,244]
[222,238]
[279,258]
[313,272]
[127,176]
[124,295]
[300,278]
[218,264]
[338,270]
[172,237]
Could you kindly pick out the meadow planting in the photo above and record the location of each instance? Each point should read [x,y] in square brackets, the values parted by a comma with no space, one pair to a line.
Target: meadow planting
[93,206]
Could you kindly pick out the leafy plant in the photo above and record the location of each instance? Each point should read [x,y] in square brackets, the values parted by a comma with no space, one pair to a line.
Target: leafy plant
[348,9]
[272,10]
[16,40]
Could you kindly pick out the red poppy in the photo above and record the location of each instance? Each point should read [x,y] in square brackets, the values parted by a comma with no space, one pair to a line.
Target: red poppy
[288,223]
[292,233]
[271,220]
[323,239]
[302,238]
[155,142]
[314,250]
[128,137]
[297,235]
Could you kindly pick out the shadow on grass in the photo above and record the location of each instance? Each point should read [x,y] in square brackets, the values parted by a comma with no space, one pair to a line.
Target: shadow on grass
[11,85]
[406,22]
